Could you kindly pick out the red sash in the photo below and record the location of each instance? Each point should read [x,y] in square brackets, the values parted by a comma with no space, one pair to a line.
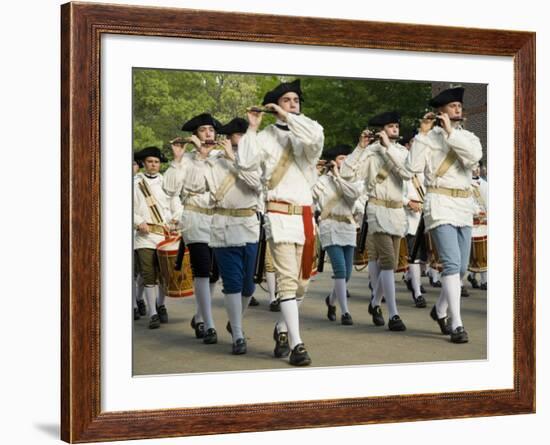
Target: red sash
[309,244]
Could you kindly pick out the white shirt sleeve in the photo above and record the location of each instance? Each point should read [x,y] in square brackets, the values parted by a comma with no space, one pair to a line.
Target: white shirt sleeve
[309,133]
[249,153]
[466,146]
[351,190]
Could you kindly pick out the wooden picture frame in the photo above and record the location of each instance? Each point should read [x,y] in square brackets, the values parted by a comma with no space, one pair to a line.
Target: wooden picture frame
[82,26]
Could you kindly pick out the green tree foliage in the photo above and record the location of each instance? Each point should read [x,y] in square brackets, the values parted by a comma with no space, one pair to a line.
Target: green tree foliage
[164,99]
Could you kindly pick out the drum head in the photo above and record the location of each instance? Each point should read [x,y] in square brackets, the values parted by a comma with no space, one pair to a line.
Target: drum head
[169,244]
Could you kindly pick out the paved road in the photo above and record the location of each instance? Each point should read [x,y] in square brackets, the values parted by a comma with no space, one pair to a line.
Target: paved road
[174,349]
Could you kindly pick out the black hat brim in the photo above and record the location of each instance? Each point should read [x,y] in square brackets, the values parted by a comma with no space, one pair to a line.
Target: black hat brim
[237,125]
[447,96]
[280,90]
[200,120]
[388,117]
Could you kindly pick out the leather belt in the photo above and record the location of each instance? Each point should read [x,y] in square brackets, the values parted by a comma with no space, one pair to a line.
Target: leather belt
[197,209]
[342,218]
[455,193]
[384,203]
[284,207]
[234,212]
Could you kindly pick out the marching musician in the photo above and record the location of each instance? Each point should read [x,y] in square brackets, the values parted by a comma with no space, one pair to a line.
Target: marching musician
[287,153]
[479,190]
[446,154]
[336,198]
[140,309]
[154,213]
[381,164]
[235,227]
[413,201]
[186,178]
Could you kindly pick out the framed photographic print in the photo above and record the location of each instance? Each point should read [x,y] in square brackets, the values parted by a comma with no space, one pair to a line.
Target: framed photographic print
[132,76]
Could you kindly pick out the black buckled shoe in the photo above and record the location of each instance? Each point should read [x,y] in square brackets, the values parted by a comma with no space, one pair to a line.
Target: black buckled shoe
[376,313]
[210,337]
[422,289]
[163,314]
[282,348]
[434,283]
[420,302]
[299,356]
[154,322]
[396,324]
[442,322]
[142,308]
[239,347]
[459,335]
[331,310]
[464,292]
[275,306]
[253,302]
[346,319]
[136,314]
[198,327]
[483,286]
[473,282]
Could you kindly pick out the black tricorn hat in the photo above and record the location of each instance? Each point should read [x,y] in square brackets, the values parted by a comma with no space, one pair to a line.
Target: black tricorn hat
[147,152]
[389,117]
[271,97]
[446,97]
[333,152]
[137,160]
[237,125]
[202,119]
[407,136]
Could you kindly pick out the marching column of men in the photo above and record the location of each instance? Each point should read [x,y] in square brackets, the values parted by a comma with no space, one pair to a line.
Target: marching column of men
[216,196]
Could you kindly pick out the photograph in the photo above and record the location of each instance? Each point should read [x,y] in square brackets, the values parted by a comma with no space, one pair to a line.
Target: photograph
[283,220]
[303,238]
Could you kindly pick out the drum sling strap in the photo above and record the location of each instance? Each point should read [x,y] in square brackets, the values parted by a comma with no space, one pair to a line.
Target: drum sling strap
[226,184]
[384,172]
[418,187]
[286,160]
[445,165]
[158,222]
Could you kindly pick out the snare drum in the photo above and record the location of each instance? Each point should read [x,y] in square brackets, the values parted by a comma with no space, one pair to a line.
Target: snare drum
[478,252]
[360,258]
[175,283]
[403,262]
